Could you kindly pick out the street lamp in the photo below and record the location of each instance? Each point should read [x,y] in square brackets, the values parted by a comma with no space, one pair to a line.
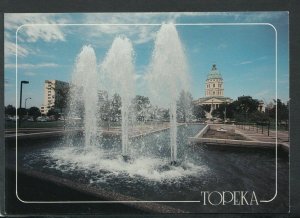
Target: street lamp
[20,116]
[225,112]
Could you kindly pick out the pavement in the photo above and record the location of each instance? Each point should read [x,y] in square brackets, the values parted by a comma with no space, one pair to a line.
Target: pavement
[253,137]
[257,134]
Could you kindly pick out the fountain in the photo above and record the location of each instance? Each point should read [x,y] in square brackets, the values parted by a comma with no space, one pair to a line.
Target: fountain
[83,95]
[117,71]
[168,75]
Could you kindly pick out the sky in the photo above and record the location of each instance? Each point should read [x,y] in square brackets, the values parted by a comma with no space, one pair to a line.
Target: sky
[242,45]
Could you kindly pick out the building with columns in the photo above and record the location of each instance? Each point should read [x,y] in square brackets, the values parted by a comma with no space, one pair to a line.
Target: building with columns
[214,90]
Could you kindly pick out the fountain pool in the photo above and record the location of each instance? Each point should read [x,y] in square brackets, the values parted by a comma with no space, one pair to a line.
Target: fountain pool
[149,176]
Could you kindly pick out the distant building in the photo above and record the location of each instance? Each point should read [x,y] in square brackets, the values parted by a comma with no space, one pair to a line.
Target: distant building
[261,106]
[52,93]
[214,90]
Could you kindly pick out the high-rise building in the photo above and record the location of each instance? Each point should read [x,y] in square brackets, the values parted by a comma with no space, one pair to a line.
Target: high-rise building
[53,92]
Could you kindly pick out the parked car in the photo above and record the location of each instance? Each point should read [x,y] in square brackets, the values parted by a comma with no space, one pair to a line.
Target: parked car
[41,119]
[30,119]
[14,118]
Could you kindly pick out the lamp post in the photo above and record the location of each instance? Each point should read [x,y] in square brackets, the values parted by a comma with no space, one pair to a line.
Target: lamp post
[20,115]
[225,113]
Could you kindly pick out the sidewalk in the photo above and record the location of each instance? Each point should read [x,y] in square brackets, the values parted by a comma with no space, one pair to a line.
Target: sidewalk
[259,135]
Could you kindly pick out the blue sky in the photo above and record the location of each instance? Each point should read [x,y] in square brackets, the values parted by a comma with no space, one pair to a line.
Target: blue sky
[244,54]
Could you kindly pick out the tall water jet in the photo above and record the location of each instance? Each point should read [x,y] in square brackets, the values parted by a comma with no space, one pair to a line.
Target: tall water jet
[117,71]
[83,94]
[168,75]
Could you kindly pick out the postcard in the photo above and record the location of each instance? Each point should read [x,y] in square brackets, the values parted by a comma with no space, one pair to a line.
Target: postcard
[147,113]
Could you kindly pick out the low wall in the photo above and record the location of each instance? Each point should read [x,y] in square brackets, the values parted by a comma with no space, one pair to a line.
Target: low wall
[231,142]
[40,135]
[203,131]
[229,128]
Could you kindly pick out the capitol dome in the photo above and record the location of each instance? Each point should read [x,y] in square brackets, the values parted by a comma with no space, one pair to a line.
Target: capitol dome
[214,73]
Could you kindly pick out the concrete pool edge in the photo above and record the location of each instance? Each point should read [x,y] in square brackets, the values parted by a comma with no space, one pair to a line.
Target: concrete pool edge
[103,195]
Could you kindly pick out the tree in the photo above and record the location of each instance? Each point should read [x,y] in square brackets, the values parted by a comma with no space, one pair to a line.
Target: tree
[220,111]
[21,112]
[116,105]
[224,109]
[141,106]
[105,110]
[53,112]
[34,112]
[198,112]
[258,116]
[184,106]
[245,104]
[166,115]
[10,110]
[206,108]
[243,107]
[282,111]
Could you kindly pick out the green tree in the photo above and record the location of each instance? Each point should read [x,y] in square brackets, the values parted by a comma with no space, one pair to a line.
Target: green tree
[206,108]
[34,112]
[198,112]
[220,111]
[21,112]
[141,106]
[282,111]
[246,104]
[10,110]
[53,112]
[166,115]
[258,116]
[243,107]
[116,105]
[224,109]
[105,110]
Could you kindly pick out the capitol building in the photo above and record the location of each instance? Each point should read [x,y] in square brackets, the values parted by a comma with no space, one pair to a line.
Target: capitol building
[214,90]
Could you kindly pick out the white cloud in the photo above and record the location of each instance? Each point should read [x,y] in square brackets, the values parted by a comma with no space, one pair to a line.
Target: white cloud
[12,21]
[263,16]
[10,49]
[137,33]
[33,33]
[245,62]
[29,73]
[47,33]
[32,66]
[262,93]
